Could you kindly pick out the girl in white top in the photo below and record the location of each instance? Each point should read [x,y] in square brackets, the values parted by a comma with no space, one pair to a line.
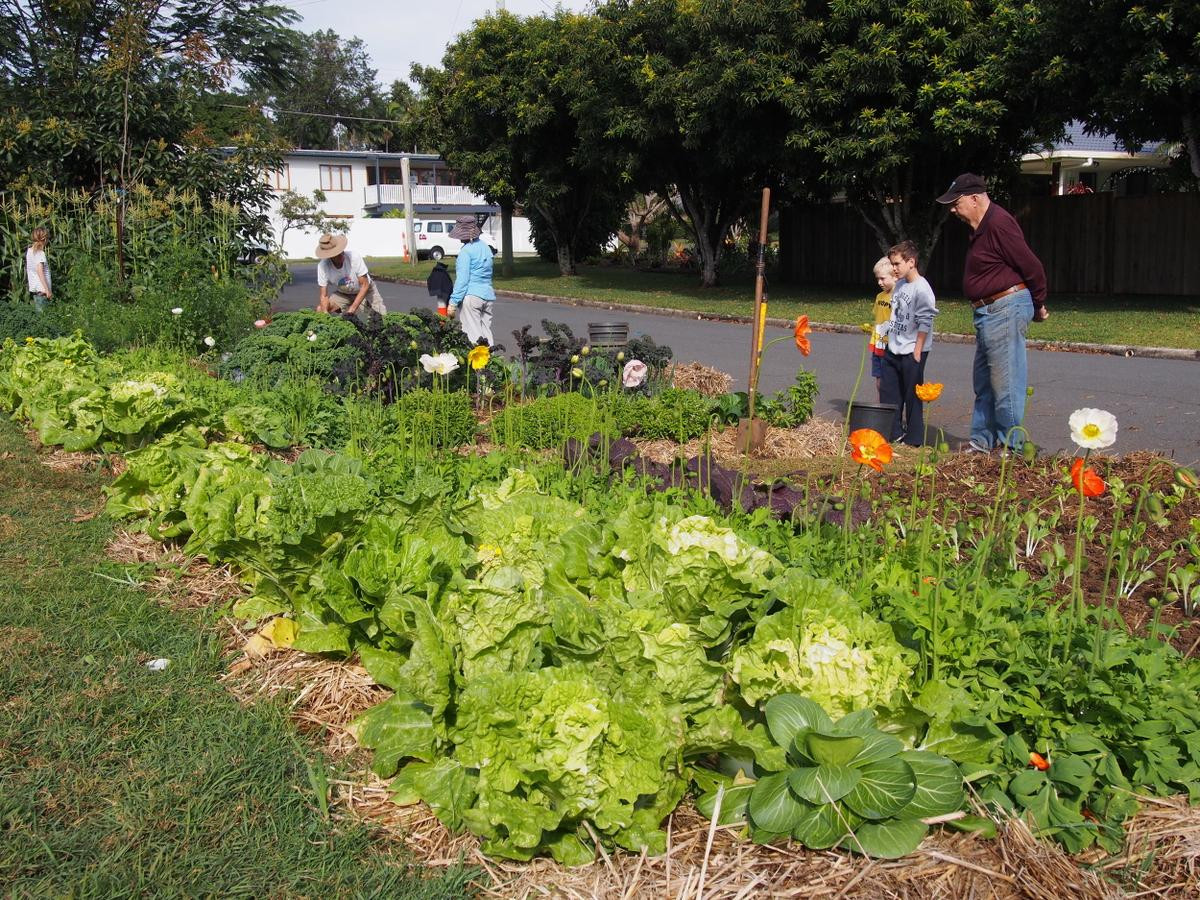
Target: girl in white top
[38,270]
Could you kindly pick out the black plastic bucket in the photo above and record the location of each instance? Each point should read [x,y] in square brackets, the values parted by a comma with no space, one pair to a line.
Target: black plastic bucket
[608,334]
[878,416]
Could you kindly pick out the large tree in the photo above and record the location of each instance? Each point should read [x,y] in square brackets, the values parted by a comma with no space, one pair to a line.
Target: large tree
[698,109]
[109,91]
[893,98]
[1135,67]
[519,109]
[332,83]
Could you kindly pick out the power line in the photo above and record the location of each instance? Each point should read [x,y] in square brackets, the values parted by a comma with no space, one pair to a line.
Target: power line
[297,112]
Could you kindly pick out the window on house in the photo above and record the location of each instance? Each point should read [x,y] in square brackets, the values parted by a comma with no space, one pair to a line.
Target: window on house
[336,178]
[434,228]
[280,179]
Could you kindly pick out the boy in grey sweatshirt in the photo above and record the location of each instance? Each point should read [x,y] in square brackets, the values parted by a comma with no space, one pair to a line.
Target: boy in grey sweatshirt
[910,337]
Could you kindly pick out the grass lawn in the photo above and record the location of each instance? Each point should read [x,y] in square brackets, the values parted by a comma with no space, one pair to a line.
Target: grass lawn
[117,781]
[1130,319]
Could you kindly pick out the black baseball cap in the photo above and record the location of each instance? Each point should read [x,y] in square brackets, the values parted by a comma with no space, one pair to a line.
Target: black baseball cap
[966,183]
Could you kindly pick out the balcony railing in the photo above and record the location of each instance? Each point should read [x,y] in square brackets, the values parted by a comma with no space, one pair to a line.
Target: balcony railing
[393,194]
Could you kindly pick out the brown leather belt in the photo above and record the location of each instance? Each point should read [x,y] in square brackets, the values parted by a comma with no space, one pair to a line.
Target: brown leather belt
[984,301]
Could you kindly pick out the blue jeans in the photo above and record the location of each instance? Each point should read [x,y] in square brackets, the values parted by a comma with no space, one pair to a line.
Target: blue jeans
[39,300]
[1001,370]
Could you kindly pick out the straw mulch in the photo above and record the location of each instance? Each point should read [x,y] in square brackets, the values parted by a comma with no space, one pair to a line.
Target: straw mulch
[701,378]
[703,861]
[323,695]
[816,437]
[175,579]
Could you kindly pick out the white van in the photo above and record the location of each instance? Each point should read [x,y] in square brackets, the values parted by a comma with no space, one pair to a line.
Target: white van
[434,241]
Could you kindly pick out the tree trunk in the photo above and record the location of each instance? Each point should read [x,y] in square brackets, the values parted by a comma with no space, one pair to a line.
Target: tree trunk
[566,258]
[506,240]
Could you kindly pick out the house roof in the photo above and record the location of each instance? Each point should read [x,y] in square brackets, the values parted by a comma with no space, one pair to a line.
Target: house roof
[1076,139]
[365,154]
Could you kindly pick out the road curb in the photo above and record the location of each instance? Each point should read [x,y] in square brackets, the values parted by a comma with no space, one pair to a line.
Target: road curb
[1058,346]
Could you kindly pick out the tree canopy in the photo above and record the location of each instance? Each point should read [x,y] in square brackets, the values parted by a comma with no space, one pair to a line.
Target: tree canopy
[1135,68]
[519,109]
[109,91]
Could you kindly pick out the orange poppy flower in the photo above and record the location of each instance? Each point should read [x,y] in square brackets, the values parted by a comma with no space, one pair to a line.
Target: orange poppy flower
[1039,762]
[929,391]
[868,448]
[1087,482]
[801,334]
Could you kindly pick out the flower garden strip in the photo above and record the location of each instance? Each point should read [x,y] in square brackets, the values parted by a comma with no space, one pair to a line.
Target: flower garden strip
[569,655]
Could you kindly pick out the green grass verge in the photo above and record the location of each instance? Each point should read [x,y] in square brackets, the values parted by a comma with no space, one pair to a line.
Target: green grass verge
[117,781]
[1127,319]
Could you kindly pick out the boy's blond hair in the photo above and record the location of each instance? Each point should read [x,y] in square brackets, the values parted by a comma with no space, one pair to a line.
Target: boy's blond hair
[883,267]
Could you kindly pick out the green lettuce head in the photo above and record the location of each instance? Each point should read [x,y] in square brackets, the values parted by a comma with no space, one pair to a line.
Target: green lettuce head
[820,645]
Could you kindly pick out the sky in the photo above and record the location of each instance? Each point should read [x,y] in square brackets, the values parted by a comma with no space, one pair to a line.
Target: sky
[400,32]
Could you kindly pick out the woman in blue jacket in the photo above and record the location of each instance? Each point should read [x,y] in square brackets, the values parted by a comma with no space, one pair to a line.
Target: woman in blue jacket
[473,292]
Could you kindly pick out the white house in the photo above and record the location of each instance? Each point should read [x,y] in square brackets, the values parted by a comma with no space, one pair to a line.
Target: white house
[1083,163]
[362,186]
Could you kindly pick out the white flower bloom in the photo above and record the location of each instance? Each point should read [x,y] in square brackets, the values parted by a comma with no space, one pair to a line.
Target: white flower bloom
[634,373]
[209,342]
[260,323]
[177,311]
[312,335]
[1093,429]
[442,364]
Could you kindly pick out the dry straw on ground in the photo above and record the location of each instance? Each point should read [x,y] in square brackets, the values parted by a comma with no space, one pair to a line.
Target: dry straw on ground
[698,377]
[816,437]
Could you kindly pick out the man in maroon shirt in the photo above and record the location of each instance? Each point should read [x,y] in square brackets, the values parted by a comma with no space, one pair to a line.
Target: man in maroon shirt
[1006,285]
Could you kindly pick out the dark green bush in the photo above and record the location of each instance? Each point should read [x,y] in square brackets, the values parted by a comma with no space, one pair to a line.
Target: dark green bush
[19,320]
[549,421]
[282,350]
[675,414]
[435,418]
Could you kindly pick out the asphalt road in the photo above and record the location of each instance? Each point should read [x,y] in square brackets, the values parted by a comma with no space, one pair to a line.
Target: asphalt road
[1156,402]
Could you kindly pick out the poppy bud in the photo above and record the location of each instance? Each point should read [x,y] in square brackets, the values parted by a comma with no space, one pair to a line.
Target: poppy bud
[1154,603]
[1155,506]
[621,356]
[412,345]
[1039,762]
[585,349]
[1029,452]
[577,373]
[575,358]
[1185,477]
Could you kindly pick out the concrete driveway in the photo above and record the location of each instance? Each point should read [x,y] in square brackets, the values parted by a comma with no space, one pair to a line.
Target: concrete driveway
[1156,402]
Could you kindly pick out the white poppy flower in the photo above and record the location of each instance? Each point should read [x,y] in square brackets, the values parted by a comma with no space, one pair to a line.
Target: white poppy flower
[1093,429]
[442,364]
[312,335]
[209,342]
[177,311]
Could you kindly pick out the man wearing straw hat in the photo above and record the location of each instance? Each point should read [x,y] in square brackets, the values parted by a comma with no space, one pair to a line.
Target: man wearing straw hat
[353,286]
[473,282]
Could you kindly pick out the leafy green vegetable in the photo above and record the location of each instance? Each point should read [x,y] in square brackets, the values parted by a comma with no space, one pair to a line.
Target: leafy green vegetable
[822,645]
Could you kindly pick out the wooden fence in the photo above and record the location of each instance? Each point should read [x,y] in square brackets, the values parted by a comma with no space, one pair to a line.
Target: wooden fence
[1089,244]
